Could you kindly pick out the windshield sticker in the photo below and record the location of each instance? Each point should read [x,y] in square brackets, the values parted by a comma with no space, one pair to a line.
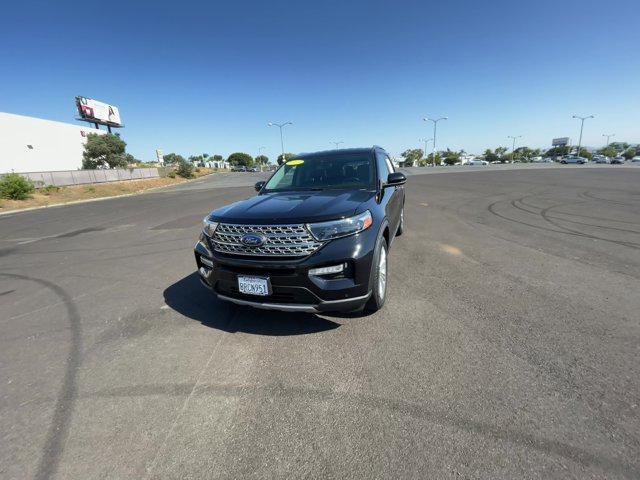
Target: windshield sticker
[295,162]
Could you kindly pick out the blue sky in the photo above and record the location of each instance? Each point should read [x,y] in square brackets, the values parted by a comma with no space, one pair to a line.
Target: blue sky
[192,77]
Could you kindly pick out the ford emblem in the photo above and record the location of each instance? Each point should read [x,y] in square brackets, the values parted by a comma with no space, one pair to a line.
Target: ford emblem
[253,240]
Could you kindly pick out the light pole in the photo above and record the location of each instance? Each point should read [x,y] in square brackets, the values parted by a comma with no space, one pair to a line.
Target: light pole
[337,143]
[513,147]
[280,126]
[608,136]
[582,119]
[435,126]
[426,142]
[259,151]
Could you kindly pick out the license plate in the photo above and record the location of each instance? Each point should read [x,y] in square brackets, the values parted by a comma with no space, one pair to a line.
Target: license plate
[253,285]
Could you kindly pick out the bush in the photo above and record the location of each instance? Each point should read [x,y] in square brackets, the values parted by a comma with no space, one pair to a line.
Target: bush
[185,169]
[15,187]
[171,174]
[49,189]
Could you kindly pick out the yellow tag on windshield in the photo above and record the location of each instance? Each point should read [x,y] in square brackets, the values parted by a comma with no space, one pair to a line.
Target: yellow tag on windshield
[295,162]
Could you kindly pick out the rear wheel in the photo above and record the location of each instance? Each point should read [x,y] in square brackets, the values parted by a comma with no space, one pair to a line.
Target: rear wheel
[379,278]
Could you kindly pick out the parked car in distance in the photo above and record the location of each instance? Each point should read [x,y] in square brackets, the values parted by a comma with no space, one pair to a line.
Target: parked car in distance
[618,161]
[476,161]
[578,160]
[315,238]
[238,168]
[253,169]
[601,159]
[635,160]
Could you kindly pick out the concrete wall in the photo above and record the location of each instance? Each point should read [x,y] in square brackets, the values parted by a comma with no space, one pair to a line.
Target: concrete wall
[79,177]
[55,145]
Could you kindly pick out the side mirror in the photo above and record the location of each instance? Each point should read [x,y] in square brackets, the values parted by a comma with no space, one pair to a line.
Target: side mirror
[395,178]
[258,186]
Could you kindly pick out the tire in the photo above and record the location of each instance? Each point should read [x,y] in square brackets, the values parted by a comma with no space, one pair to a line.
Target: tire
[563,162]
[378,291]
[401,226]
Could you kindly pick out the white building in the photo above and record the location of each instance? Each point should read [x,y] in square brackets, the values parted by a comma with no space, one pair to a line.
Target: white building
[30,144]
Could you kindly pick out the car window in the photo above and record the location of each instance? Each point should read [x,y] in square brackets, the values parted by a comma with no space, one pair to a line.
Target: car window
[383,169]
[336,171]
[389,164]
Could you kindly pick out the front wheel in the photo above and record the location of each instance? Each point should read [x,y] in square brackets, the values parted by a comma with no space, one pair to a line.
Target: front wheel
[379,278]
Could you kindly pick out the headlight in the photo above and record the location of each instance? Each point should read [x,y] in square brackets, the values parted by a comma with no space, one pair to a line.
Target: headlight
[208,227]
[340,228]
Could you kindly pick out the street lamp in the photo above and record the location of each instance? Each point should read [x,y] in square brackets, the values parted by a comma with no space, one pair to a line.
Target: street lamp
[260,150]
[513,147]
[337,143]
[582,119]
[608,136]
[435,125]
[426,141]
[280,126]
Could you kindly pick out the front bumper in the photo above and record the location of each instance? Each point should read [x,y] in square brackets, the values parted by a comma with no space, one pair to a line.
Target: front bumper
[292,287]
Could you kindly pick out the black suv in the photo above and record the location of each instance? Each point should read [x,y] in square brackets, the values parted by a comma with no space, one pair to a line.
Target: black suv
[314,239]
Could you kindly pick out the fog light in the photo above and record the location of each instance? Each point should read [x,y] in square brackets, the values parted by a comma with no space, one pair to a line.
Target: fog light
[327,270]
[205,272]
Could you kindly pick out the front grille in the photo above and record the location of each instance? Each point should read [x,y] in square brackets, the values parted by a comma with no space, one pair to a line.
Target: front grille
[281,240]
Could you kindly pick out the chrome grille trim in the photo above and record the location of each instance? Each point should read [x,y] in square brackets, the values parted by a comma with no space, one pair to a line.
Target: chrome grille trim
[281,240]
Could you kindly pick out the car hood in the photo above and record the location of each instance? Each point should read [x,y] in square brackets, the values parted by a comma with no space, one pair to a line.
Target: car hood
[294,207]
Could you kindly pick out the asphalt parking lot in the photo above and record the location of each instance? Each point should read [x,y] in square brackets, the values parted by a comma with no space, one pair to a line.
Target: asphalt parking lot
[508,347]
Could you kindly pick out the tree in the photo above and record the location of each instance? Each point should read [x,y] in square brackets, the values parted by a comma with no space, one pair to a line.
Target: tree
[629,153]
[412,156]
[105,151]
[173,159]
[241,159]
[608,151]
[585,153]
[451,158]
[490,156]
[218,158]
[131,160]
[558,151]
[282,159]
[438,158]
[262,159]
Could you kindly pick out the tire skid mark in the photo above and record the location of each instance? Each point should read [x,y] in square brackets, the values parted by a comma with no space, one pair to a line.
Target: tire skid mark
[543,214]
[60,422]
[591,196]
[563,229]
[514,203]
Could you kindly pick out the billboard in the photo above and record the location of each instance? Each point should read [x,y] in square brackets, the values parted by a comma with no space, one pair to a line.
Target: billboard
[560,142]
[98,112]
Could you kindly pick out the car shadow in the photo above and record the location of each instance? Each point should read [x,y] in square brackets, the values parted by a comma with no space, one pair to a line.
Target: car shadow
[191,299]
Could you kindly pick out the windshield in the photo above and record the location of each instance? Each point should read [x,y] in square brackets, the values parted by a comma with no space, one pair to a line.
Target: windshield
[344,171]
